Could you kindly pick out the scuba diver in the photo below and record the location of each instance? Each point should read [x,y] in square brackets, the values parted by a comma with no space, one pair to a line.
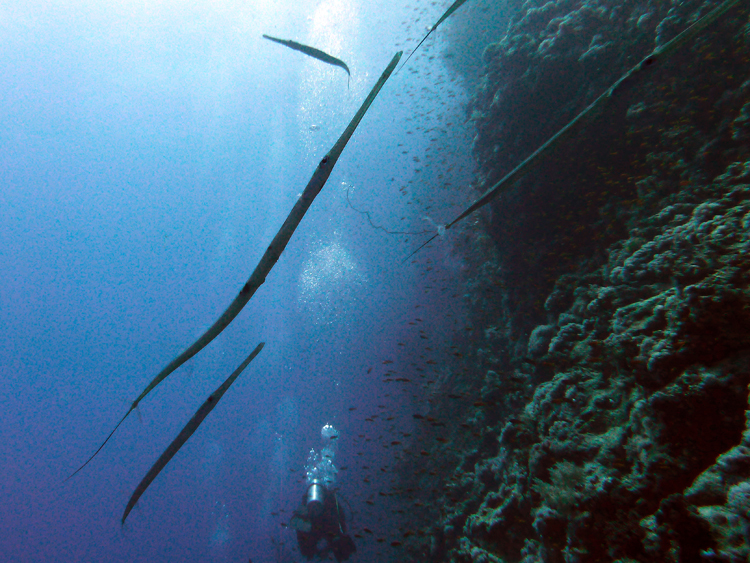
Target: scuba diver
[320,521]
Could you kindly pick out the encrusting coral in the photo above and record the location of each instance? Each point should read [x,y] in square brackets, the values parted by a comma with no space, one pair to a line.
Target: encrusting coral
[611,288]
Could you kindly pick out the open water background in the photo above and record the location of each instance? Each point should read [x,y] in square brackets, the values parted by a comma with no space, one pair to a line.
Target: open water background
[149,152]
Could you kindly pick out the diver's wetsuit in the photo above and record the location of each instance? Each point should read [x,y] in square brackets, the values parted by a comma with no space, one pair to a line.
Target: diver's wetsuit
[325,532]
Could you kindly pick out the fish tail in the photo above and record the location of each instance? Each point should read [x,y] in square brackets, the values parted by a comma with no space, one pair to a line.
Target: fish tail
[100,447]
[428,241]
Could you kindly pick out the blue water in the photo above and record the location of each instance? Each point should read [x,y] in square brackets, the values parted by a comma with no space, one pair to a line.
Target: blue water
[149,151]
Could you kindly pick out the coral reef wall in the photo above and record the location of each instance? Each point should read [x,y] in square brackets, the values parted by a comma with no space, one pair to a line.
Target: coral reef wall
[601,413]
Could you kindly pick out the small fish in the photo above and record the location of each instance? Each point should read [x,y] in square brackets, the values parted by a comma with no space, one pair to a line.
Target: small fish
[591,111]
[455,6]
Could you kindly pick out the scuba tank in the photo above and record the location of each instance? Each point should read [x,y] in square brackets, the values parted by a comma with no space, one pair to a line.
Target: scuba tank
[315,498]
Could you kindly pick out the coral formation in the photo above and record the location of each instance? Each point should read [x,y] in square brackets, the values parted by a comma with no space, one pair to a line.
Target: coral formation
[609,382]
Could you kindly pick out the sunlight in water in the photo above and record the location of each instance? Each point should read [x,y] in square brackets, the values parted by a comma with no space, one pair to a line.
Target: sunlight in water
[329,283]
[325,100]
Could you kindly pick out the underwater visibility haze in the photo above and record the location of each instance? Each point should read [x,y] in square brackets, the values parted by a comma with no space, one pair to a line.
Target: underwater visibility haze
[497,311]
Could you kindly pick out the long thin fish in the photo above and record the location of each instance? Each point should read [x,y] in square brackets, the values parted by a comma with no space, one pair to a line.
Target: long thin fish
[312,52]
[187,431]
[272,253]
[455,6]
[659,54]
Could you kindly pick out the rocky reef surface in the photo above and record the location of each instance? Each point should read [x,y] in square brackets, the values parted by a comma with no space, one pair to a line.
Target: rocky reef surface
[602,413]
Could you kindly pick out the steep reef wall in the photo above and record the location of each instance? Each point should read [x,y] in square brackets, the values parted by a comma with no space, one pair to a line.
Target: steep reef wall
[601,414]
